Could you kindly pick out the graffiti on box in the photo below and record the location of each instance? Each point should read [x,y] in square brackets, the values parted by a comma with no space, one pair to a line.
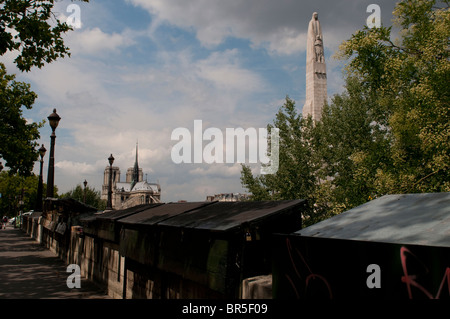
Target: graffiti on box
[331,274]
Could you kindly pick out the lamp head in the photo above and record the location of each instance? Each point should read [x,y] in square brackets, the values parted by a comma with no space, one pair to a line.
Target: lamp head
[54,119]
[42,151]
[111,159]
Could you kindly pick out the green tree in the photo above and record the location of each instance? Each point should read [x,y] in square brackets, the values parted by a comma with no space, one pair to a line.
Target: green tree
[16,188]
[331,163]
[31,28]
[93,197]
[408,81]
[350,147]
[295,177]
[17,136]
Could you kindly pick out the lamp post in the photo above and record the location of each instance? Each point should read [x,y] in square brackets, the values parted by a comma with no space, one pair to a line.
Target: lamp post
[109,204]
[85,184]
[54,121]
[42,151]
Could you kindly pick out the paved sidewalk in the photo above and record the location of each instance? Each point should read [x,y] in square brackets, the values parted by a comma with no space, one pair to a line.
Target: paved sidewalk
[30,271]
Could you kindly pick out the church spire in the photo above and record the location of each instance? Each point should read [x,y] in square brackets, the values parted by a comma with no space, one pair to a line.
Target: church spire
[135,178]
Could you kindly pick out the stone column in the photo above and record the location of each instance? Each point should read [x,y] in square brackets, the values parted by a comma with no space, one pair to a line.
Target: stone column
[316,76]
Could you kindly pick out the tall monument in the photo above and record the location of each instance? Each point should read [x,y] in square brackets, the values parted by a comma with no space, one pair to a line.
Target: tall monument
[316,73]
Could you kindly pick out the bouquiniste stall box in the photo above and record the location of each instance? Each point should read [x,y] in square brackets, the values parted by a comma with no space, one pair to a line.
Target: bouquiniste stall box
[393,247]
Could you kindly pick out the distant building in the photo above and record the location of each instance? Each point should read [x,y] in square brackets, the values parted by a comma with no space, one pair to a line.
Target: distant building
[134,191]
[228,197]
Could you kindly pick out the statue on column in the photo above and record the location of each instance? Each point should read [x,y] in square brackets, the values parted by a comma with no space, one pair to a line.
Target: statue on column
[314,42]
[316,71]
[318,49]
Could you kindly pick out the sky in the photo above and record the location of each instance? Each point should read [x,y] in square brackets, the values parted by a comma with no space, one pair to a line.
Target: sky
[139,69]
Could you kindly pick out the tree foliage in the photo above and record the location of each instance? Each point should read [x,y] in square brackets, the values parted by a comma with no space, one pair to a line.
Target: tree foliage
[31,28]
[387,133]
[17,136]
[15,188]
[295,177]
[93,197]
[412,93]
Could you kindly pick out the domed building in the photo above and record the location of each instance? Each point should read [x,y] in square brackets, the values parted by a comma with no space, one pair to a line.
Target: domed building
[134,191]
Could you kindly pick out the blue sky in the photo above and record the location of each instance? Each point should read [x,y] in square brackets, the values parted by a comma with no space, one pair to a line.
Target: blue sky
[141,68]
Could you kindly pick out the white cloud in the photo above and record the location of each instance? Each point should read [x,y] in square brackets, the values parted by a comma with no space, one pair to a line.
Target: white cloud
[217,170]
[279,26]
[214,21]
[290,42]
[223,69]
[75,168]
[182,88]
[107,109]
[94,41]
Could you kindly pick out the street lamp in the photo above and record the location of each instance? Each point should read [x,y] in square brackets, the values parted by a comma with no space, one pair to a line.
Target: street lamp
[42,151]
[54,121]
[109,204]
[85,184]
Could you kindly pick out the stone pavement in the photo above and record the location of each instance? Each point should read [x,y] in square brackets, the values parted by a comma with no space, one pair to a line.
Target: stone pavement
[30,271]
